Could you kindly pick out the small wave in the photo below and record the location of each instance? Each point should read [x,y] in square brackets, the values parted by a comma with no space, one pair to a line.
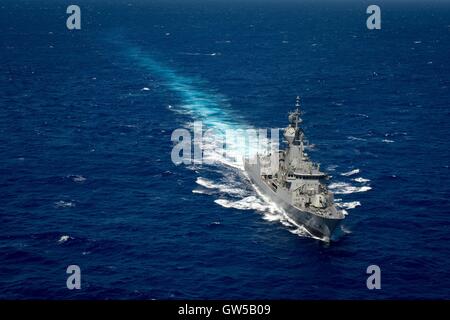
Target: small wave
[64,204]
[145,89]
[200,54]
[350,173]
[388,141]
[361,180]
[356,138]
[346,188]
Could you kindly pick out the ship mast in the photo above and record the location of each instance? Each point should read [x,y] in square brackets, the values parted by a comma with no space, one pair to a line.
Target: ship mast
[297,111]
[299,131]
[297,121]
[294,137]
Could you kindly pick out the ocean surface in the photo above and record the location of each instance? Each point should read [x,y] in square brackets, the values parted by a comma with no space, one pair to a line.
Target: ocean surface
[86,177]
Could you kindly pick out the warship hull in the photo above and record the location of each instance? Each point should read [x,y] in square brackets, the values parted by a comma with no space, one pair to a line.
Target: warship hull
[318,226]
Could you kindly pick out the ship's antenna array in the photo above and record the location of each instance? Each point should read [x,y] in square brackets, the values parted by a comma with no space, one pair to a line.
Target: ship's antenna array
[297,103]
[297,111]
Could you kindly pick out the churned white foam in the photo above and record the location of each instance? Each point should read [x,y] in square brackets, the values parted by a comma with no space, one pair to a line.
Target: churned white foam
[302,232]
[220,187]
[270,213]
[346,188]
[272,217]
[247,203]
[361,180]
[204,182]
[350,173]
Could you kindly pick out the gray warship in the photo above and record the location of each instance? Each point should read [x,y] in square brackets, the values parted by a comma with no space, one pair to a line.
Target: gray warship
[295,183]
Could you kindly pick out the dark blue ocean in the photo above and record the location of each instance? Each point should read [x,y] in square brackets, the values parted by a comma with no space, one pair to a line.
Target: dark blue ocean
[86,176]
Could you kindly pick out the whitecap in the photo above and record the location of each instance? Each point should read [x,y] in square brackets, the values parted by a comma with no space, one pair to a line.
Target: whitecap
[346,188]
[64,204]
[361,180]
[199,191]
[64,238]
[350,173]
[388,141]
[349,205]
[355,138]
[77,178]
[145,89]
